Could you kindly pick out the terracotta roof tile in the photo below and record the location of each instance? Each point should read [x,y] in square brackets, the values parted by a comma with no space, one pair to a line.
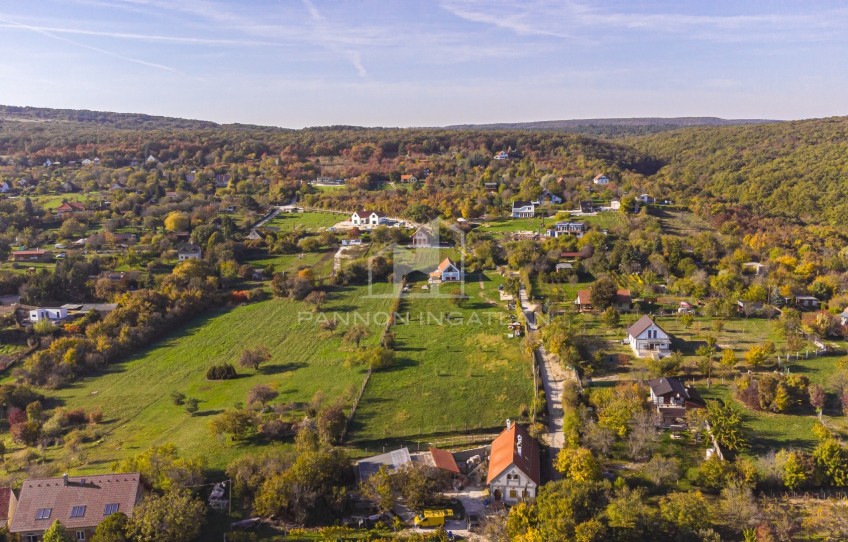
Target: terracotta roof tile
[505,453]
[92,492]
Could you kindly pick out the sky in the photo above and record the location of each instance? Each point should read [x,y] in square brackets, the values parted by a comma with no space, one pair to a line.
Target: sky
[297,63]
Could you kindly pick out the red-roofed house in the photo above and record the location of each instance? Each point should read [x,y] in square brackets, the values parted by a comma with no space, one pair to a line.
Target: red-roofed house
[69,207]
[446,272]
[514,471]
[584,300]
[8,505]
[79,502]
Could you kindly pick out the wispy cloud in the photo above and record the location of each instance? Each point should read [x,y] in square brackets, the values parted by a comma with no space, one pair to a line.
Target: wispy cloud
[323,31]
[565,19]
[12,24]
[138,37]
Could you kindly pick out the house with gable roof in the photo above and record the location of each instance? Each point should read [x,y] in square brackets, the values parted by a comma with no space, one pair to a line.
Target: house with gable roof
[367,218]
[523,209]
[79,502]
[648,339]
[446,272]
[514,466]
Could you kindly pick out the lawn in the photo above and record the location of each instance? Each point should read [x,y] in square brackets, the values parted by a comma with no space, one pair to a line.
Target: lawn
[134,395]
[510,225]
[307,220]
[52,201]
[451,374]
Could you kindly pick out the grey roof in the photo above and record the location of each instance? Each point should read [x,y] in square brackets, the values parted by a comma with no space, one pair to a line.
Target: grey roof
[518,204]
[664,385]
[393,460]
[641,325]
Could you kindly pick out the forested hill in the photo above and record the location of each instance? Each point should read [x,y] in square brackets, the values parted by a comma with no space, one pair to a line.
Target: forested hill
[612,127]
[128,121]
[797,170]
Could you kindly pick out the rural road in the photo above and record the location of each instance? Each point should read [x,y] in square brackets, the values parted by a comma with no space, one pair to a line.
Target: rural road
[553,376]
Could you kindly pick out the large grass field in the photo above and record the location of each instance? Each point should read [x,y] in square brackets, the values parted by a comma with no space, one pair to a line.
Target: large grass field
[135,394]
[307,220]
[450,373]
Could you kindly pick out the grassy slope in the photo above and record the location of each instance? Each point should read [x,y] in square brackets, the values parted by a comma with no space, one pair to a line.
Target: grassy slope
[308,220]
[447,375]
[134,395]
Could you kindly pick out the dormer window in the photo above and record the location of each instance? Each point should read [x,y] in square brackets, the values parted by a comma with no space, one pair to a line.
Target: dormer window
[78,511]
[43,513]
[111,508]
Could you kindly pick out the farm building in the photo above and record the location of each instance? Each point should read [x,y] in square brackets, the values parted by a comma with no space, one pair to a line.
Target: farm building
[36,255]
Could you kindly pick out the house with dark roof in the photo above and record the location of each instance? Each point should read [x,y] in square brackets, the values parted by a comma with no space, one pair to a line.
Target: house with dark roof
[79,502]
[575,229]
[367,218]
[672,399]
[514,466]
[647,339]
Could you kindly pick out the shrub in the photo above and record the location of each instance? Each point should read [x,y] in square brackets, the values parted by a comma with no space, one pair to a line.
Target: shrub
[225,371]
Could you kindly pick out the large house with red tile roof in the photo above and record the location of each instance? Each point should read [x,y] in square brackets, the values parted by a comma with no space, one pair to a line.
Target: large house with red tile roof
[79,502]
[514,466]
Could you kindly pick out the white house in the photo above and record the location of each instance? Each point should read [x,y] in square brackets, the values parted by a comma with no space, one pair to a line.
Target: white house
[503,155]
[367,218]
[514,466]
[408,179]
[4,187]
[601,179]
[523,209]
[646,198]
[446,272]
[44,313]
[151,159]
[843,317]
[647,339]
[567,228]
[189,252]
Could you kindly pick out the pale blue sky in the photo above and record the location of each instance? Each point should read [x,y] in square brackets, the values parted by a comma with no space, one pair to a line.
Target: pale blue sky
[406,63]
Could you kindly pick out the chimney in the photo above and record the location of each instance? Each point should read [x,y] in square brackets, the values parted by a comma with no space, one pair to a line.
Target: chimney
[508,423]
[65,479]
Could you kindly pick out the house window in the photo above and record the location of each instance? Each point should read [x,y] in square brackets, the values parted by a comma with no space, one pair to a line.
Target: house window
[111,508]
[43,513]
[80,535]
[78,511]
[31,538]
[513,494]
